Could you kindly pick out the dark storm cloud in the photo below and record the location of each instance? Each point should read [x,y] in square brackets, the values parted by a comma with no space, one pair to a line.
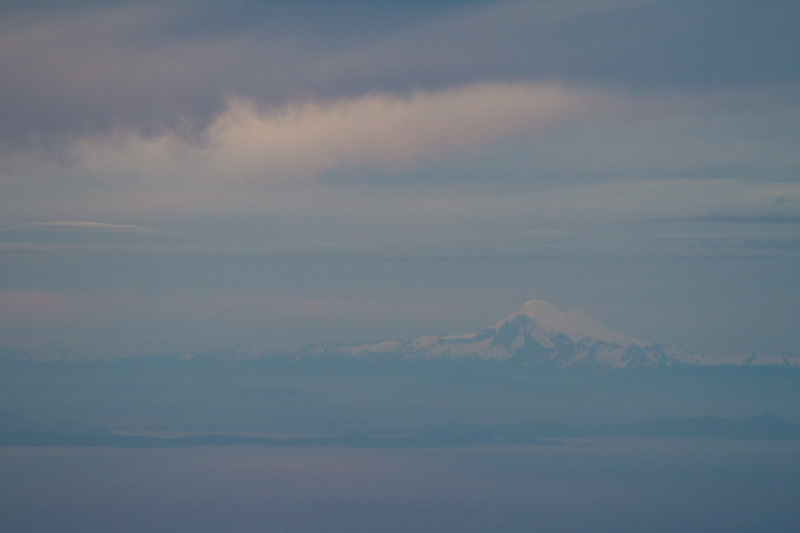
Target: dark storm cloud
[93,66]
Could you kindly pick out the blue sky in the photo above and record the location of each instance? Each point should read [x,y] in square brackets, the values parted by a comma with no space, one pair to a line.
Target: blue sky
[197,175]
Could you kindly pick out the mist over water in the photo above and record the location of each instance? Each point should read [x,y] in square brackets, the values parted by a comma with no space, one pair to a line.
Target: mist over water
[582,485]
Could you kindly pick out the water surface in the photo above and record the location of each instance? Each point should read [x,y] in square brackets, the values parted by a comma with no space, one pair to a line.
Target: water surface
[583,485]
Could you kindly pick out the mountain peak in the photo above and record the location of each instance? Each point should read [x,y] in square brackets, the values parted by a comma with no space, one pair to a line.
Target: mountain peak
[539,310]
[574,324]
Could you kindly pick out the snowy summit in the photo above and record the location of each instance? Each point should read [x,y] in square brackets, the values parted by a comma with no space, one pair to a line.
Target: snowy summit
[574,324]
[539,334]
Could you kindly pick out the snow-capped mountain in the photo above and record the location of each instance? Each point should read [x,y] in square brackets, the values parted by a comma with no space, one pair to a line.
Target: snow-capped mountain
[535,334]
[538,333]
[575,324]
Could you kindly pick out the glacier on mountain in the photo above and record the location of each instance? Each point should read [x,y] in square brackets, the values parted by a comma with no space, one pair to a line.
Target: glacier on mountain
[538,333]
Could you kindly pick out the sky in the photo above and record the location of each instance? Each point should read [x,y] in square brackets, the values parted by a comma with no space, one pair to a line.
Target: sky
[189,176]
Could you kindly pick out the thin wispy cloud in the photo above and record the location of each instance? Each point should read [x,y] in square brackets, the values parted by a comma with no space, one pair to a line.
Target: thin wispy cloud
[791,217]
[82,226]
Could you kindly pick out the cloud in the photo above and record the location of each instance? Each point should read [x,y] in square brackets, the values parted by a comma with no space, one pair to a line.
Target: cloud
[763,218]
[47,307]
[249,154]
[478,170]
[81,68]
[676,198]
[387,131]
[82,226]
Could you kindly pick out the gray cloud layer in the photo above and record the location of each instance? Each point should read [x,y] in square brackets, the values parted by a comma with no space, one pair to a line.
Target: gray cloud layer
[76,70]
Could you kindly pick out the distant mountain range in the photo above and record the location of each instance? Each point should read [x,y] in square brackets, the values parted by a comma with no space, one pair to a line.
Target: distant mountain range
[537,375]
[536,334]
[539,334]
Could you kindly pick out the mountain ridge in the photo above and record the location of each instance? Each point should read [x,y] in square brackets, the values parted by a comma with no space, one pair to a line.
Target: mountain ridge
[537,333]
